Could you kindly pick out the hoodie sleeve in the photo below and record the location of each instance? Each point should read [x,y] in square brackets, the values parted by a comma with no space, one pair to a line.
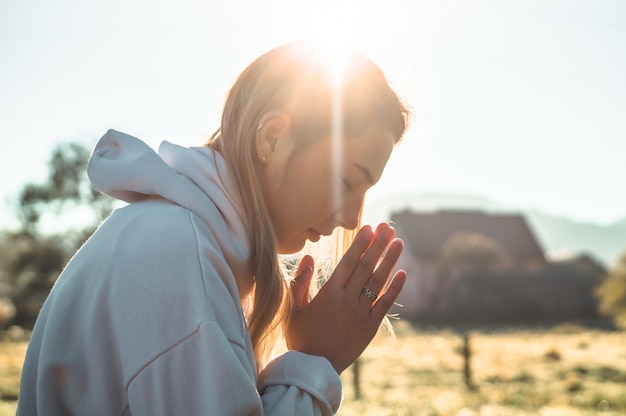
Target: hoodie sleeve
[300,384]
[215,383]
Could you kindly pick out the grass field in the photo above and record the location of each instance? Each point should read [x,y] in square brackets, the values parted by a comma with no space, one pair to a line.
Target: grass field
[564,371]
[11,358]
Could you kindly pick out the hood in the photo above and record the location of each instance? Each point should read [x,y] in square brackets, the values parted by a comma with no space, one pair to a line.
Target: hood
[196,178]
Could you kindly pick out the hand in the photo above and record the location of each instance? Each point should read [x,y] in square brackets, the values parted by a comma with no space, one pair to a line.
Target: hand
[340,321]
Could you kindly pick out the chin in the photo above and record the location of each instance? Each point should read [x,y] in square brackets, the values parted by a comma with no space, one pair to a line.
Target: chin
[291,247]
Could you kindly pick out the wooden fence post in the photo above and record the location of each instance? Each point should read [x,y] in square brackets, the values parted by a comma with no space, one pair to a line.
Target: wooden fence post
[356,379]
[467,365]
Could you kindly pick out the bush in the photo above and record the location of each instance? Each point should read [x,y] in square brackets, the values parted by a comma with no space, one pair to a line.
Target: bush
[612,293]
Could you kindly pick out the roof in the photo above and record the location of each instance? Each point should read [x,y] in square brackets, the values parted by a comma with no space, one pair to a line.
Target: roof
[425,233]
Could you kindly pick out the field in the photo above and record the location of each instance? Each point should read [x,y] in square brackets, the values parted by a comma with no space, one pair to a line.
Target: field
[12,351]
[566,370]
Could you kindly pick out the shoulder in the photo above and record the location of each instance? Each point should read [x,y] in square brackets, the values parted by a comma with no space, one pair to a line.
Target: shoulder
[150,225]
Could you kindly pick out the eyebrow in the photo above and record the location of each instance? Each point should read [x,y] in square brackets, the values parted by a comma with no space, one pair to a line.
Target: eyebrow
[365,172]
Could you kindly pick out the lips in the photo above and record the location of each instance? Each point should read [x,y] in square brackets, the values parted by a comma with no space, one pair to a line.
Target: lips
[314,236]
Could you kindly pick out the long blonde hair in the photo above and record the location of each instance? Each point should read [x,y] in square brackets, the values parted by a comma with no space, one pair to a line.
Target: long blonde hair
[295,78]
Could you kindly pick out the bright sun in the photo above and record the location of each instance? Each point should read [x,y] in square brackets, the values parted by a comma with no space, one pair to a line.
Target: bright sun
[341,22]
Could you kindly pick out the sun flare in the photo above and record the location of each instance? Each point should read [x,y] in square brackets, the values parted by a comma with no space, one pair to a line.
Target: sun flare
[335,56]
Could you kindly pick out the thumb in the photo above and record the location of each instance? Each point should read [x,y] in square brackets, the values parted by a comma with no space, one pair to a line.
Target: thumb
[301,283]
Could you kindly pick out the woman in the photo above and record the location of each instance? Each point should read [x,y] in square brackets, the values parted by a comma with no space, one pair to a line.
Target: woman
[175,304]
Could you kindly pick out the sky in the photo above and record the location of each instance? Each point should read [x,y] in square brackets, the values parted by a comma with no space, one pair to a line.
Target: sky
[519,101]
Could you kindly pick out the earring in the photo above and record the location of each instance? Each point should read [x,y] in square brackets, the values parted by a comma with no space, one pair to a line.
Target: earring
[259,127]
[264,159]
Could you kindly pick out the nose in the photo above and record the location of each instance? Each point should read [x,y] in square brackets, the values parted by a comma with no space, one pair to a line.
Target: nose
[349,213]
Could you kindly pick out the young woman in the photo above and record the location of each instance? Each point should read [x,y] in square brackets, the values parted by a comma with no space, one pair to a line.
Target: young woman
[175,305]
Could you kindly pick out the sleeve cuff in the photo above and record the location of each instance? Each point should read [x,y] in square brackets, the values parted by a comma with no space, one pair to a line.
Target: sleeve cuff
[313,374]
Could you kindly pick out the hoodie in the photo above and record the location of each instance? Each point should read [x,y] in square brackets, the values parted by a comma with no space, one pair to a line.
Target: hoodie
[146,318]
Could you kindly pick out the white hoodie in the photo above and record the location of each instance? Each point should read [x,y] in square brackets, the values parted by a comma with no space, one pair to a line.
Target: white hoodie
[146,318]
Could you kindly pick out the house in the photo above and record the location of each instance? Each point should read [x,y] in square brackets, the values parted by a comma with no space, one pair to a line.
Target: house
[475,267]
[443,245]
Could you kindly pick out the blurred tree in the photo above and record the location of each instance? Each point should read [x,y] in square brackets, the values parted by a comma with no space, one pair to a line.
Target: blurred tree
[33,263]
[612,293]
[66,189]
[473,252]
[465,253]
[66,203]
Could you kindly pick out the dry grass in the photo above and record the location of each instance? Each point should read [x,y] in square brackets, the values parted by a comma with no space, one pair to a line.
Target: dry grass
[567,371]
[12,354]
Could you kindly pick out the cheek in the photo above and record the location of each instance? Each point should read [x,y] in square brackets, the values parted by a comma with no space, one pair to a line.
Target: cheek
[314,190]
[314,203]
[326,199]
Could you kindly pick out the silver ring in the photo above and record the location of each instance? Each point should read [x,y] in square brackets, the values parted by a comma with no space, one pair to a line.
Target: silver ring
[370,294]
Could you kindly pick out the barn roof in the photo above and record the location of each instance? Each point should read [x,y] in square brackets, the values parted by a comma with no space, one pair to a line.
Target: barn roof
[425,233]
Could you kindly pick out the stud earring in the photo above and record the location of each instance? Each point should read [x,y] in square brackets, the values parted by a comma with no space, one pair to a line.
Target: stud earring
[264,159]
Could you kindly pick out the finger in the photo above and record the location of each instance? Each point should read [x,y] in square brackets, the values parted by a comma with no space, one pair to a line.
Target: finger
[386,300]
[380,277]
[302,282]
[350,260]
[371,258]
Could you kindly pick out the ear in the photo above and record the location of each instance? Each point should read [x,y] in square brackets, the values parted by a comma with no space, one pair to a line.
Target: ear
[273,135]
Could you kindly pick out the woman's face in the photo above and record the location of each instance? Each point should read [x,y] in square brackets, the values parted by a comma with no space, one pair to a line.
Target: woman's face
[309,194]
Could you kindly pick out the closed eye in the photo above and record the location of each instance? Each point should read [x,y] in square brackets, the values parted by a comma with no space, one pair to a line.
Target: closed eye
[347,184]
